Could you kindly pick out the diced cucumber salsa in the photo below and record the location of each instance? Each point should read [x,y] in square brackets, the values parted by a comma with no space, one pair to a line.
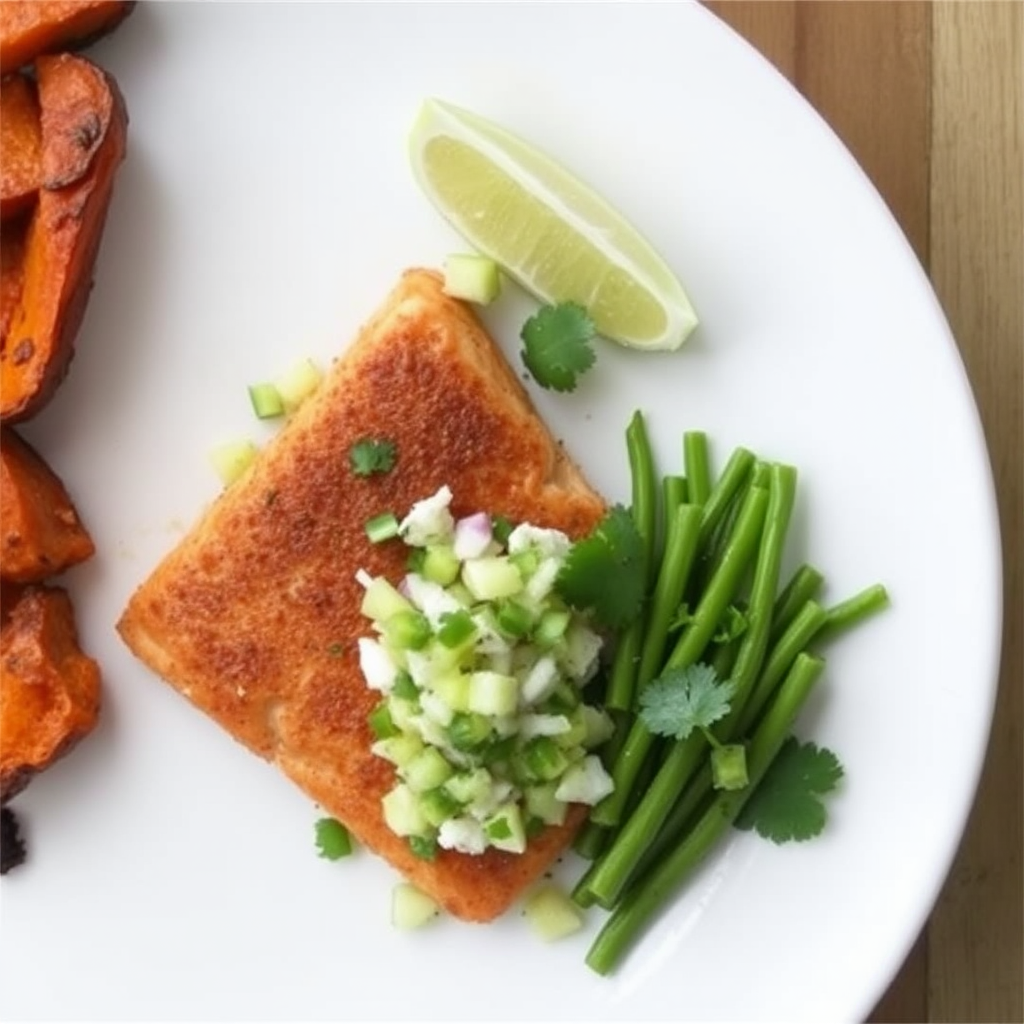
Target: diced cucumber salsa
[481,667]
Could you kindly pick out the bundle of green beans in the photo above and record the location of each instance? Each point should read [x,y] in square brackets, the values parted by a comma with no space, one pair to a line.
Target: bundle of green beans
[710,544]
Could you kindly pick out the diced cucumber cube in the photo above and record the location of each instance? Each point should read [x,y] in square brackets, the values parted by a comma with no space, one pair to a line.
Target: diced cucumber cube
[403,687]
[576,734]
[460,592]
[456,628]
[468,731]
[599,726]
[542,803]
[469,786]
[472,278]
[402,811]
[452,687]
[543,759]
[551,913]
[424,847]
[297,383]
[491,693]
[527,561]
[430,731]
[407,630]
[563,699]
[729,766]
[402,712]
[439,564]
[381,527]
[491,578]
[551,628]
[411,907]
[399,749]
[380,722]
[513,619]
[232,459]
[381,600]
[585,782]
[427,770]
[505,830]
[439,806]
[266,401]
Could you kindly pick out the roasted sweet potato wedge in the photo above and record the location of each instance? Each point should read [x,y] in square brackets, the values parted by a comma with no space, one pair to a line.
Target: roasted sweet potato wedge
[40,531]
[29,28]
[49,689]
[84,127]
[12,270]
[21,150]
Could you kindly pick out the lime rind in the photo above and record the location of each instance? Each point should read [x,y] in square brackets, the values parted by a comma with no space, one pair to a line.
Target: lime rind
[631,282]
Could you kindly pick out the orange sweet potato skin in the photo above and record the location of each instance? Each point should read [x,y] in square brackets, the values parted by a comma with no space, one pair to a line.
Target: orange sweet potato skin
[41,533]
[12,270]
[84,130]
[49,689]
[29,28]
[21,160]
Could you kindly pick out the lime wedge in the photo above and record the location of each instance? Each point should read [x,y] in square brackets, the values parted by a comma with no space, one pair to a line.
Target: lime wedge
[546,229]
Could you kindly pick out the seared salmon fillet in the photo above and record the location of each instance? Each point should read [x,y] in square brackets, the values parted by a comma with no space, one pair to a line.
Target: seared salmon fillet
[254,617]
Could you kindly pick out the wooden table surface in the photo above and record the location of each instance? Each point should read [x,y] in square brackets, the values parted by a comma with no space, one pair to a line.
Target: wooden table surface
[928,97]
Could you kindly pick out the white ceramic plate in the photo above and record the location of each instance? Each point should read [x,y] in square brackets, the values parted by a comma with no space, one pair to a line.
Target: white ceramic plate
[265,209]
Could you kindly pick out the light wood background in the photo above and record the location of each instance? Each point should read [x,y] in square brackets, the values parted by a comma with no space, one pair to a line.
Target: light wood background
[930,99]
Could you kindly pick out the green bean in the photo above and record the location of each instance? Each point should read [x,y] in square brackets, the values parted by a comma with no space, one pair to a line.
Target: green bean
[726,487]
[622,678]
[722,586]
[698,471]
[689,647]
[681,539]
[675,490]
[631,915]
[611,871]
[673,828]
[846,614]
[783,653]
[644,488]
[804,584]
[590,840]
[622,681]
[754,640]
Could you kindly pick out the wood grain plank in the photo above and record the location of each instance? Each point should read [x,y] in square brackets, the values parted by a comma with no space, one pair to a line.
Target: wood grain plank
[865,67]
[768,25]
[976,947]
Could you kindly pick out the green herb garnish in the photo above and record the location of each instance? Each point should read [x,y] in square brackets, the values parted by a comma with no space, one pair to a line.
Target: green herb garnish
[332,839]
[557,345]
[372,455]
[605,572]
[787,803]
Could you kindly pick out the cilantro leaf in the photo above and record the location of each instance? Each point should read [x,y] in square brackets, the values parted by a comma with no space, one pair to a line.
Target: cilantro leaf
[733,625]
[605,573]
[372,455]
[682,617]
[557,345]
[683,699]
[332,839]
[786,803]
